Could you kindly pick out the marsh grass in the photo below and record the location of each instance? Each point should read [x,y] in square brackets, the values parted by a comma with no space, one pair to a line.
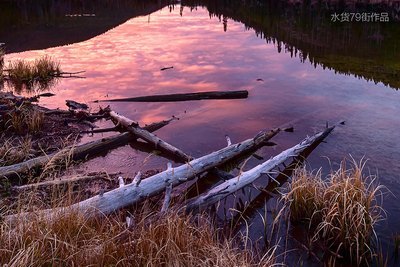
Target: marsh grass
[30,75]
[25,119]
[153,239]
[14,150]
[61,160]
[341,210]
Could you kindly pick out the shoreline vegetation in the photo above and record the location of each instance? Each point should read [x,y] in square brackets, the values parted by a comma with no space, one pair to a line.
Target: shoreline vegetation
[49,218]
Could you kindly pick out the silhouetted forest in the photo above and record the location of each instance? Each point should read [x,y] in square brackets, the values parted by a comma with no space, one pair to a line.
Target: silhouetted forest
[365,49]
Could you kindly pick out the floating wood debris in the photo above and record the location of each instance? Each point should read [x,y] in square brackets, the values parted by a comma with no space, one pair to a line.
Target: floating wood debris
[183,97]
[167,68]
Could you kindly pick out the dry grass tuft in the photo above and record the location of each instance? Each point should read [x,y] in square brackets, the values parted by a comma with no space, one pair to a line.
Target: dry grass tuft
[45,67]
[2,53]
[25,119]
[342,209]
[39,74]
[15,150]
[152,240]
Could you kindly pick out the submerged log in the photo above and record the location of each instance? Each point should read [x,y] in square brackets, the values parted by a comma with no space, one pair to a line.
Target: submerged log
[71,104]
[80,152]
[183,97]
[133,193]
[103,130]
[231,186]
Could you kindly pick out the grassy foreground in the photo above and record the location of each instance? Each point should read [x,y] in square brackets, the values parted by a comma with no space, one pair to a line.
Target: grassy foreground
[151,240]
[340,210]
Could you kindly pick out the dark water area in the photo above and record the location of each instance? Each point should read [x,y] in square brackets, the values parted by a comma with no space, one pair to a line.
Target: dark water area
[298,66]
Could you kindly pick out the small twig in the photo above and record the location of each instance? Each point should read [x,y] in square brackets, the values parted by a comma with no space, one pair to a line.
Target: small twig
[228,140]
[138,178]
[121,181]
[167,198]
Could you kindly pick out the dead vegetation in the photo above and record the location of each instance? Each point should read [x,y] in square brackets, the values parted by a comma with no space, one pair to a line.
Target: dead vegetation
[15,150]
[25,119]
[341,210]
[145,239]
[32,75]
[1,61]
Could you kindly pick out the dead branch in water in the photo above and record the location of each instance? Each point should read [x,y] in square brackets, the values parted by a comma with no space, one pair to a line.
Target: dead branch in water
[81,152]
[61,182]
[183,97]
[231,186]
[139,132]
[248,211]
[104,130]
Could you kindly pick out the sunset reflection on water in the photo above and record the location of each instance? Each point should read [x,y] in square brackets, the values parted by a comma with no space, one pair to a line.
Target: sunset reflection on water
[126,62]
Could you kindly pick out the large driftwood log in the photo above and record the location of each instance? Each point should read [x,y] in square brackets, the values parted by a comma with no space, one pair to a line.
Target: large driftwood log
[232,185]
[133,193]
[183,97]
[80,152]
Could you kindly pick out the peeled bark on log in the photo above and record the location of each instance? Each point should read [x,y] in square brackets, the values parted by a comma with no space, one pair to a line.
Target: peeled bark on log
[231,186]
[183,97]
[133,193]
[80,152]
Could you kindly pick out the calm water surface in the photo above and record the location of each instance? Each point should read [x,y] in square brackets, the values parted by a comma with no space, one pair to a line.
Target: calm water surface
[126,60]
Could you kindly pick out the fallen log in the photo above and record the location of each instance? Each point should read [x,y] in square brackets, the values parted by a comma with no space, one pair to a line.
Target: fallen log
[158,143]
[133,193]
[231,186]
[61,182]
[103,130]
[80,152]
[267,192]
[183,97]
[142,133]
